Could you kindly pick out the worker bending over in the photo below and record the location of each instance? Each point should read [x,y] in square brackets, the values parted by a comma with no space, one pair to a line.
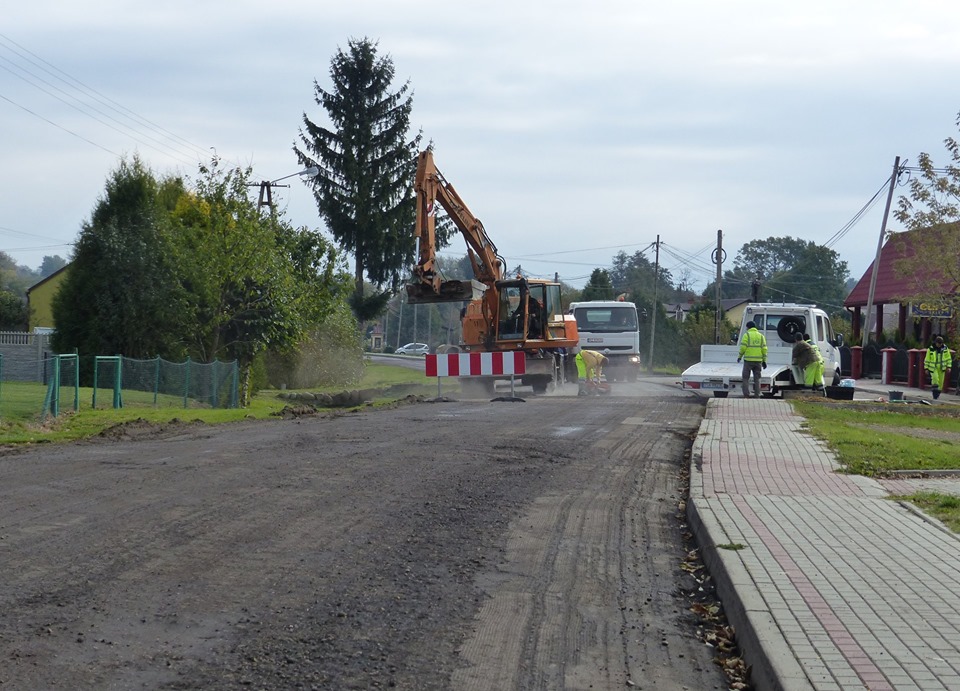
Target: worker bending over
[589,368]
[813,375]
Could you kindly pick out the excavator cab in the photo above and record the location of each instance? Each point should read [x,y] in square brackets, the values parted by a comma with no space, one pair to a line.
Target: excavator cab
[523,310]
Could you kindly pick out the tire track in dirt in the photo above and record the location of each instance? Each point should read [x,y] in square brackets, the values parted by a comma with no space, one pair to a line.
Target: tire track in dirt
[587,594]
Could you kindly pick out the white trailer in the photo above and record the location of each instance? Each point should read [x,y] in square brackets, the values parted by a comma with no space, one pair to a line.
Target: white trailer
[718,370]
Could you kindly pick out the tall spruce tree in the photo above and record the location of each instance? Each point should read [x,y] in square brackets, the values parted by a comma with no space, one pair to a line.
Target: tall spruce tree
[364,190]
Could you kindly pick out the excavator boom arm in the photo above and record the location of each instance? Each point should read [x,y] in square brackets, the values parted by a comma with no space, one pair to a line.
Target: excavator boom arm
[488,266]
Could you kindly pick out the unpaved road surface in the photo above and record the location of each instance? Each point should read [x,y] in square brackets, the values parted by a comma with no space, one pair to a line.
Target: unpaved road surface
[447,545]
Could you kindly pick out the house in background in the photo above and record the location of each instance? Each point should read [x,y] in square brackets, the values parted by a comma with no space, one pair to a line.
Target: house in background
[891,296]
[40,301]
[732,308]
[376,342]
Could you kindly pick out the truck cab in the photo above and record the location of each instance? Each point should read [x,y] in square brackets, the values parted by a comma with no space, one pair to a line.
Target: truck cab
[610,327]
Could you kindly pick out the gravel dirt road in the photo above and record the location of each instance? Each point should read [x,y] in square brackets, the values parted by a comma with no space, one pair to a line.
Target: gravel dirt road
[444,545]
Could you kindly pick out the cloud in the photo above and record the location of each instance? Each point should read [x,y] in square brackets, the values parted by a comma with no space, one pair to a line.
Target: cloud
[567,127]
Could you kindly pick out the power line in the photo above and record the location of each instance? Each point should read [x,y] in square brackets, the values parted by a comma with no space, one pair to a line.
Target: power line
[61,127]
[172,145]
[13,231]
[591,249]
[80,107]
[857,216]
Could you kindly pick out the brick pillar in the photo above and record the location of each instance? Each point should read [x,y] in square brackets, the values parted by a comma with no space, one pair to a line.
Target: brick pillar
[952,373]
[915,378]
[856,361]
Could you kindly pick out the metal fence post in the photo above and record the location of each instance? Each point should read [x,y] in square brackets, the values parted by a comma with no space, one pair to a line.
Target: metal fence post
[55,386]
[215,385]
[156,383]
[186,384]
[118,384]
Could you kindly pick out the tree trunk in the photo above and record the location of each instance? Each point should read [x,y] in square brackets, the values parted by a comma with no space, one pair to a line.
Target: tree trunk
[246,369]
[358,281]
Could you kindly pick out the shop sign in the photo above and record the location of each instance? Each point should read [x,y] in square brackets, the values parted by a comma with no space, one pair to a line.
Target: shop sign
[932,310]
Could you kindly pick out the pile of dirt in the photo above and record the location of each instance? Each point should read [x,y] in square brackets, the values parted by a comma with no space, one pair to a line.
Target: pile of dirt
[145,429]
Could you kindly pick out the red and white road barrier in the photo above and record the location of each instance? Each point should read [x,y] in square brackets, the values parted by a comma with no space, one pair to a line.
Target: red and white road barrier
[475,364]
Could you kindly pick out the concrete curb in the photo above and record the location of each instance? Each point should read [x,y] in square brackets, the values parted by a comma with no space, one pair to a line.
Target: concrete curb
[773,665]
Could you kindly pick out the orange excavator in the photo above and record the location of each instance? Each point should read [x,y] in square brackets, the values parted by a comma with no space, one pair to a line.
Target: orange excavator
[501,314]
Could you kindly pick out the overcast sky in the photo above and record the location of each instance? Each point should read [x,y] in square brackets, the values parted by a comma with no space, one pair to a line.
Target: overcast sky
[573,130]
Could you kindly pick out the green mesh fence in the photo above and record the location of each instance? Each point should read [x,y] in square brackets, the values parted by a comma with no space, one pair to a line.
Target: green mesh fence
[63,380]
[48,386]
[183,384]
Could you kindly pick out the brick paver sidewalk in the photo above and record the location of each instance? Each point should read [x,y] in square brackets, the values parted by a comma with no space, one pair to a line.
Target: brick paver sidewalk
[829,584]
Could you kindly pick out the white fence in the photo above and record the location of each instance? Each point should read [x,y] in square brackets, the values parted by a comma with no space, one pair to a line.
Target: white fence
[23,355]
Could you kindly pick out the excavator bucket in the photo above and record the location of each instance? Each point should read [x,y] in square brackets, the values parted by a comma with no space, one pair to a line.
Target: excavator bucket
[450,291]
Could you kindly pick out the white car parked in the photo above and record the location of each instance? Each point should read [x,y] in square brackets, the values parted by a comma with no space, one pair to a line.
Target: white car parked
[413,349]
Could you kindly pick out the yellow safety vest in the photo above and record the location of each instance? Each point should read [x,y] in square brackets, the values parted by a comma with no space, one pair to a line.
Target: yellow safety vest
[938,360]
[753,346]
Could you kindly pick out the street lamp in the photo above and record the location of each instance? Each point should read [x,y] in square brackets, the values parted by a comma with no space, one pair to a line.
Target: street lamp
[266,187]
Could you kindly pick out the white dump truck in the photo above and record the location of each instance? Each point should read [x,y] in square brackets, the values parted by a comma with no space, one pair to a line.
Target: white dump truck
[610,327]
[718,370]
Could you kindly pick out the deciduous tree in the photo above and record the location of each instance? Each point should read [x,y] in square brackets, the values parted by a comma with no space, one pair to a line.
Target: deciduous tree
[13,312]
[253,282]
[786,269]
[598,287]
[51,265]
[932,207]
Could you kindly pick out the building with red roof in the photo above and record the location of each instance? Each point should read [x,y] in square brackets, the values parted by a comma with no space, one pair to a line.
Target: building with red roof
[897,288]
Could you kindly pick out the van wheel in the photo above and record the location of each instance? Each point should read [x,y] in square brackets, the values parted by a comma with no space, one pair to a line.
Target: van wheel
[836,378]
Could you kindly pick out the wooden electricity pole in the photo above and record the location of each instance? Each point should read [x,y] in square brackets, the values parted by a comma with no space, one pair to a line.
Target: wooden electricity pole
[653,310]
[876,261]
[718,260]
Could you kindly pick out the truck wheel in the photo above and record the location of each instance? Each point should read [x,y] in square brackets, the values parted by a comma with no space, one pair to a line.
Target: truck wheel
[538,382]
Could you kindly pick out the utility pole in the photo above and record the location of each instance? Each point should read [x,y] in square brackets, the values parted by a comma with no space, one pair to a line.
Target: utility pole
[718,260]
[400,320]
[653,316]
[876,261]
[266,187]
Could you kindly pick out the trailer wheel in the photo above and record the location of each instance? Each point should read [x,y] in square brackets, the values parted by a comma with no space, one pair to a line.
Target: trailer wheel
[720,394]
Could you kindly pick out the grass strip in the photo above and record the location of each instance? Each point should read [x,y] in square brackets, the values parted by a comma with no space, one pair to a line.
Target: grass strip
[943,507]
[874,440]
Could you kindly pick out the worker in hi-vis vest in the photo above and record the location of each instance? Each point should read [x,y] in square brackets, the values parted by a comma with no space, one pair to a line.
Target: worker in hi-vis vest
[753,353]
